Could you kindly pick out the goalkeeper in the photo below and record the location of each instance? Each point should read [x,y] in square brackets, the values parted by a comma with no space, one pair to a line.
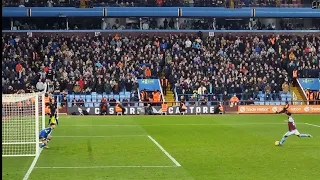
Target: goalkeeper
[45,135]
[53,112]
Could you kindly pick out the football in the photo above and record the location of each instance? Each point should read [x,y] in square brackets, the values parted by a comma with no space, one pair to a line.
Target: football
[276,143]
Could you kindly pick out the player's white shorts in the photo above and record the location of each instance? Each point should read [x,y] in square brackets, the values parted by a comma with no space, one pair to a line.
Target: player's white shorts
[294,132]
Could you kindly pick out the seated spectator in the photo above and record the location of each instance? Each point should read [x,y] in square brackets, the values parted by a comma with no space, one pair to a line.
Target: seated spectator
[285,87]
[125,102]
[74,102]
[80,102]
[203,101]
[112,101]
[64,101]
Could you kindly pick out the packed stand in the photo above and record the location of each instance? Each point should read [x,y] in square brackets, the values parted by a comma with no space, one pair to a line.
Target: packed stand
[251,67]
[154,3]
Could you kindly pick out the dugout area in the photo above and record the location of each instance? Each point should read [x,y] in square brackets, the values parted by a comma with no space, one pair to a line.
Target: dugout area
[206,147]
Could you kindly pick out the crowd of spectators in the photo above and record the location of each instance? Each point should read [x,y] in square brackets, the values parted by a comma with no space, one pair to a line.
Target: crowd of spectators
[152,3]
[192,64]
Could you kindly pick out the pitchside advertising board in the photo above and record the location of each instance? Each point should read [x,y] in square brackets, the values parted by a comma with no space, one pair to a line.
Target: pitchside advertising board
[295,109]
[140,110]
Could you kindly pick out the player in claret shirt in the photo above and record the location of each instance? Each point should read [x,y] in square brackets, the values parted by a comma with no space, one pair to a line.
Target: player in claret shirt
[292,129]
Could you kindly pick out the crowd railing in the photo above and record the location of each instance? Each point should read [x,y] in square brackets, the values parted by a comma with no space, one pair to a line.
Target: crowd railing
[195,107]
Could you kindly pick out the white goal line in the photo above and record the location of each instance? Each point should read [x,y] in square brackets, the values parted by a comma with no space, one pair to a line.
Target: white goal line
[101,167]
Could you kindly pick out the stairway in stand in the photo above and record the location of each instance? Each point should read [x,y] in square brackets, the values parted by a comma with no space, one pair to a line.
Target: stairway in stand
[170,96]
[298,93]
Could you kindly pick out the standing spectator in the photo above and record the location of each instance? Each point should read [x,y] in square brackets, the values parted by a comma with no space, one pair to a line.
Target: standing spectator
[40,86]
[202,90]
[285,87]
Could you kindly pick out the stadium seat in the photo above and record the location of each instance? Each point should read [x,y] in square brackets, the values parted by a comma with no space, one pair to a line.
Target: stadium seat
[282,103]
[77,97]
[116,97]
[93,93]
[272,103]
[277,103]
[88,98]
[122,97]
[267,103]
[127,94]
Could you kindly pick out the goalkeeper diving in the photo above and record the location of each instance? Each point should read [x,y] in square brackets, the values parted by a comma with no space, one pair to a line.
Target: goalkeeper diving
[45,135]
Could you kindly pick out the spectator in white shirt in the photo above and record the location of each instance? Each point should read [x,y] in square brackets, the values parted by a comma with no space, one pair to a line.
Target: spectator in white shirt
[40,85]
[201,90]
[188,43]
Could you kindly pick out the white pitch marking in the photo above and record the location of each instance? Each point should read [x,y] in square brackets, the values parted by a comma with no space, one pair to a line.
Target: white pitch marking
[32,166]
[101,167]
[312,125]
[134,125]
[164,151]
[99,136]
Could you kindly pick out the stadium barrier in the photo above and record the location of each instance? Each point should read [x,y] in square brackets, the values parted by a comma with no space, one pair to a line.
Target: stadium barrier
[295,109]
[243,107]
[106,33]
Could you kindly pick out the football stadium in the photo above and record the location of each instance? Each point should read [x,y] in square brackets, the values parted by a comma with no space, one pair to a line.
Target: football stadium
[160,89]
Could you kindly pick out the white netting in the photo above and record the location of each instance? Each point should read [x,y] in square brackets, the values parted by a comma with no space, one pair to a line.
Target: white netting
[21,122]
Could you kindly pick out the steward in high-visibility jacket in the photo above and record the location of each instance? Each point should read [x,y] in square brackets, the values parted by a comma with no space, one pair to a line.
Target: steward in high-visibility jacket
[120,108]
[182,107]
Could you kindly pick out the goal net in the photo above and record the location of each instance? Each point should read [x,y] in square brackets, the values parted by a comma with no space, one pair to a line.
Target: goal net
[23,116]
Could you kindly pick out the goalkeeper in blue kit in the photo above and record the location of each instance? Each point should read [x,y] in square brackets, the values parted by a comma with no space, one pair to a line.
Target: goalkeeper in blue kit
[45,135]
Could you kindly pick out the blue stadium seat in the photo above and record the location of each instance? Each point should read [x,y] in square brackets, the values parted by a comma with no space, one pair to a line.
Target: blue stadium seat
[116,97]
[127,94]
[289,99]
[88,98]
[94,99]
[272,103]
[282,103]
[256,103]
[288,95]
[86,104]
[283,97]
[77,97]
[277,103]
[261,98]
[93,93]
[267,103]
[122,97]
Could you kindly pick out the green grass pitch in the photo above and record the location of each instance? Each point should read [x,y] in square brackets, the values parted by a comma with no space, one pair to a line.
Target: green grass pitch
[220,147]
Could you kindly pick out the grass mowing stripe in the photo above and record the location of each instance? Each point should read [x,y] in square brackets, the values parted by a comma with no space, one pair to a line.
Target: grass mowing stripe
[101,167]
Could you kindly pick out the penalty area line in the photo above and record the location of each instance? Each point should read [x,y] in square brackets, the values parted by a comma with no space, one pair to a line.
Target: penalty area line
[32,166]
[102,167]
[312,125]
[164,151]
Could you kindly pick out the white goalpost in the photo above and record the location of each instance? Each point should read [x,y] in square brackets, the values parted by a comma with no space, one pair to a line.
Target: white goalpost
[23,116]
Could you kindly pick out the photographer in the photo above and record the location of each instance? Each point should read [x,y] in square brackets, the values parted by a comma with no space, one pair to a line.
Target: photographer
[148,110]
